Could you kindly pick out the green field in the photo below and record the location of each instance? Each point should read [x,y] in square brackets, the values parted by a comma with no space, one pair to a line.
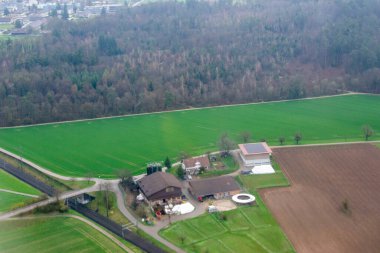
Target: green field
[59,234]
[9,182]
[11,200]
[105,145]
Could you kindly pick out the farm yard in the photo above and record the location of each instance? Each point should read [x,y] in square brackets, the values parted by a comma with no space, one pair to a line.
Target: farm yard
[9,200]
[332,205]
[103,146]
[55,234]
[247,228]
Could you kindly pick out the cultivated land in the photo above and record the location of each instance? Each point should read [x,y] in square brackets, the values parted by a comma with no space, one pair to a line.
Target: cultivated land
[311,210]
[58,234]
[105,145]
[10,200]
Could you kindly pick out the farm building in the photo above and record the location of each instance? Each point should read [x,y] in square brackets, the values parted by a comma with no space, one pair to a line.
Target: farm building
[219,187]
[159,188]
[255,154]
[192,166]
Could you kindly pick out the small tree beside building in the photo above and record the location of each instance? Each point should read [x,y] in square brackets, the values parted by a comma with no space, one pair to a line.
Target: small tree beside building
[167,163]
[225,145]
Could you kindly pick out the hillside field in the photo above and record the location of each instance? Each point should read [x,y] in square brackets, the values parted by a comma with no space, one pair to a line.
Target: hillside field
[105,145]
[59,234]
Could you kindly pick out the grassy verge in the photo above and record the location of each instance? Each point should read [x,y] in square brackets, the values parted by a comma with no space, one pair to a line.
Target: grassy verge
[59,185]
[99,204]
[154,241]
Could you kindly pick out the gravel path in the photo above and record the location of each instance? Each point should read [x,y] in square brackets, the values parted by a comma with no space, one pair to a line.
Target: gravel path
[19,193]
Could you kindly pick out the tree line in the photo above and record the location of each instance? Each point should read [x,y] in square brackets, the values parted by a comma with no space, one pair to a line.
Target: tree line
[176,55]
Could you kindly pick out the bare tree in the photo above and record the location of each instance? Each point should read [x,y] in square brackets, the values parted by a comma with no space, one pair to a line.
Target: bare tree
[89,176]
[225,144]
[367,131]
[297,137]
[124,175]
[245,136]
[107,190]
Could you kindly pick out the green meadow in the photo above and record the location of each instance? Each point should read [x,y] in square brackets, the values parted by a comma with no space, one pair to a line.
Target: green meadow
[12,200]
[103,146]
[9,182]
[58,234]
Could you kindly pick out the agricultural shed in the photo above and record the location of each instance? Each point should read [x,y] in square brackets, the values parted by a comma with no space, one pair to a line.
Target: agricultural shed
[160,187]
[254,154]
[218,187]
[192,165]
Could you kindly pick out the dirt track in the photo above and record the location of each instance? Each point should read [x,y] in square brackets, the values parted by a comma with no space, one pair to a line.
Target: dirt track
[310,211]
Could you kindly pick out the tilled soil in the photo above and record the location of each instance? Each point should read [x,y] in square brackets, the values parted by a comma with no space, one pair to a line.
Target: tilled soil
[322,178]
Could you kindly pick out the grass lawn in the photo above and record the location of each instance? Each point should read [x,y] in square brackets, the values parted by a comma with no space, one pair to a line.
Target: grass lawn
[105,145]
[230,166]
[9,201]
[248,229]
[58,234]
[100,204]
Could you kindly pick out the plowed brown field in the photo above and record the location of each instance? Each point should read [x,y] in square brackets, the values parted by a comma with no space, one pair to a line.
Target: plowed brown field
[310,211]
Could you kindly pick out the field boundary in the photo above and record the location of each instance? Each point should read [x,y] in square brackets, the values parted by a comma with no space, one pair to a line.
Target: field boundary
[19,193]
[190,109]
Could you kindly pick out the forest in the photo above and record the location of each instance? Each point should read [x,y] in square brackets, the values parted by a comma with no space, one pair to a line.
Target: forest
[172,55]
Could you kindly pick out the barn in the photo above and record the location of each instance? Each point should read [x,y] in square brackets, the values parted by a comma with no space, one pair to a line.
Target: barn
[219,187]
[255,154]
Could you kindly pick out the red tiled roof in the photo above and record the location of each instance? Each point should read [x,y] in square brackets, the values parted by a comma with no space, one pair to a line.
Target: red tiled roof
[203,160]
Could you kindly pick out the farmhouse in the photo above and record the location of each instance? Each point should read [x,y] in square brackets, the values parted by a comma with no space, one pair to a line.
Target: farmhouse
[217,188]
[159,188]
[192,166]
[254,154]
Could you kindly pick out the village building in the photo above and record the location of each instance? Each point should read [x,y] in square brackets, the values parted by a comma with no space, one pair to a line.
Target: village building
[160,188]
[218,187]
[255,154]
[192,166]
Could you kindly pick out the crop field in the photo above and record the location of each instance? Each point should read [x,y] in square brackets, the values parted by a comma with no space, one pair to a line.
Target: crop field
[105,145]
[332,204]
[58,234]
[10,200]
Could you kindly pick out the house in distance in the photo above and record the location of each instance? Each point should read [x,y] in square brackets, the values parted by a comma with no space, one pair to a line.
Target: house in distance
[192,166]
[160,188]
[255,154]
